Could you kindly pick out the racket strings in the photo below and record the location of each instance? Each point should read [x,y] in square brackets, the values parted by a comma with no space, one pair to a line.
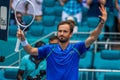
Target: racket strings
[24,19]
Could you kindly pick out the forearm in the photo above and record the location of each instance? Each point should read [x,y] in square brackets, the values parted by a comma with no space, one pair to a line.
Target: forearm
[94,34]
[28,48]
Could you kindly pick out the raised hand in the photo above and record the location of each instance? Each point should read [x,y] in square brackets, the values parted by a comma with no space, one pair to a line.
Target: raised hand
[103,12]
[20,35]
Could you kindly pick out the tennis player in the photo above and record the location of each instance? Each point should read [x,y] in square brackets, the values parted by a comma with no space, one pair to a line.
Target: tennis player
[63,58]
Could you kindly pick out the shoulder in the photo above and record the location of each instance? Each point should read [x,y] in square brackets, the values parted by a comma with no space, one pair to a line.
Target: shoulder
[79,43]
[47,46]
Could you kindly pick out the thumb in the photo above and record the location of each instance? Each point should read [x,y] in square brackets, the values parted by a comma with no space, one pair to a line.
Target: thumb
[101,17]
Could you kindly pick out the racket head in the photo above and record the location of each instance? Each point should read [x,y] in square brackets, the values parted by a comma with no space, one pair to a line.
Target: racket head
[23,18]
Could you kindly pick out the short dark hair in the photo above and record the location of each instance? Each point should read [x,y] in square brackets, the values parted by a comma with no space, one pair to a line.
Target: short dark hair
[66,22]
[39,44]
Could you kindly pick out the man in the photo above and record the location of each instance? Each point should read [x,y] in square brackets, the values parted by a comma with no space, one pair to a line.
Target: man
[31,65]
[63,58]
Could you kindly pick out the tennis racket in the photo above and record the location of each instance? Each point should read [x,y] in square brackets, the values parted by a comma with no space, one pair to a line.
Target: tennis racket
[23,17]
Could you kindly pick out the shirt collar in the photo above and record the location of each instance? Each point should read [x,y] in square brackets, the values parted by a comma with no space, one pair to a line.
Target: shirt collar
[67,48]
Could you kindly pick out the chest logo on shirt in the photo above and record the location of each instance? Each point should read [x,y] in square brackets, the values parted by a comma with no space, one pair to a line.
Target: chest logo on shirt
[71,52]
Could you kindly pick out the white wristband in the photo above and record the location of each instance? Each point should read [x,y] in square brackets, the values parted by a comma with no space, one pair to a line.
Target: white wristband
[24,43]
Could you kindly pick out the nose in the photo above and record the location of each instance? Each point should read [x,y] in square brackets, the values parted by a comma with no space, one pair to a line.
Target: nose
[61,33]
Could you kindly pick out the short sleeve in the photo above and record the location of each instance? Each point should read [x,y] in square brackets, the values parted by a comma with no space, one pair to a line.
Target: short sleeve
[43,51]
[81,47]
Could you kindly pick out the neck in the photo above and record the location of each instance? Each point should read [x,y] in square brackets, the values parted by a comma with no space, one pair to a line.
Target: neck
[64,45]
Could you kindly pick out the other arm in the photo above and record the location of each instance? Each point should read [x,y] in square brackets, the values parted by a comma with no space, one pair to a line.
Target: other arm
[95,33]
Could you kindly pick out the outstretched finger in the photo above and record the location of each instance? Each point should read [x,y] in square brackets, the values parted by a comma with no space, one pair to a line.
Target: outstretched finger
[101,8]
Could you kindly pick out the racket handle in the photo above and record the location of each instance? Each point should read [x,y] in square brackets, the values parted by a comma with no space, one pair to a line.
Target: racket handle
[17,45]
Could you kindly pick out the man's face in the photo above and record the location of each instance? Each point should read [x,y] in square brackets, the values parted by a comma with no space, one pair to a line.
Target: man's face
[64,33]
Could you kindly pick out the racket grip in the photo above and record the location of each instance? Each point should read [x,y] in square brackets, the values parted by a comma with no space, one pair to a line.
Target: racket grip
[17,45]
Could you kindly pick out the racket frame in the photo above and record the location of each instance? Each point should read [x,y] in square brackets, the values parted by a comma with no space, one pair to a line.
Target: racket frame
[19,24]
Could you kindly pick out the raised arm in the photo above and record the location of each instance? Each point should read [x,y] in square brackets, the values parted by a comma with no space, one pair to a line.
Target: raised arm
[95,33]
[27,47]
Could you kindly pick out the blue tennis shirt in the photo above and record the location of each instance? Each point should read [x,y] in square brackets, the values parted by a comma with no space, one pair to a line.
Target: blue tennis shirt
[62,64]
